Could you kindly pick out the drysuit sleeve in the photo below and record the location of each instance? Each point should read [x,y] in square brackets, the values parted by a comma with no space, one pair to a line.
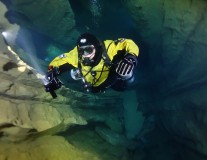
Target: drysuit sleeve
[65,62]
[129,46]
[125,59]
[118,49]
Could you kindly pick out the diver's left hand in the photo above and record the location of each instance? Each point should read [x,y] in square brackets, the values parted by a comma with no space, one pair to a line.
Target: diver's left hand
[125,68]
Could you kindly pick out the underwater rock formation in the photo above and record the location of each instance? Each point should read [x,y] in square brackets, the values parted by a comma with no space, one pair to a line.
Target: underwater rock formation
[175,37]
[53,18]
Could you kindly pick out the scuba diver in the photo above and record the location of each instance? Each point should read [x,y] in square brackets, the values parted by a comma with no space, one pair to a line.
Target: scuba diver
[99,65]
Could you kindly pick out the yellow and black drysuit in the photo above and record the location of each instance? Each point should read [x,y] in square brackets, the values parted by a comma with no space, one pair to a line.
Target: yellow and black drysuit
[102,75]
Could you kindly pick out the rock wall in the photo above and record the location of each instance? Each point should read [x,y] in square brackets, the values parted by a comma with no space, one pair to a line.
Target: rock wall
[54,19]
[175,37]
[175,69]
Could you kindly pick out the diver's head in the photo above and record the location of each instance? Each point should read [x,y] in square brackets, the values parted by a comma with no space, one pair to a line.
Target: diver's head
[89,49]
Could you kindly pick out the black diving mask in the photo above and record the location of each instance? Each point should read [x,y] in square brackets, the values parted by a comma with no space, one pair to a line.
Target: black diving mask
[86,50]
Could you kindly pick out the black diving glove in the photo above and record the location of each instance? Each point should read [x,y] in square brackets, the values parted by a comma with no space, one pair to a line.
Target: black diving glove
[126,66]
[53,83]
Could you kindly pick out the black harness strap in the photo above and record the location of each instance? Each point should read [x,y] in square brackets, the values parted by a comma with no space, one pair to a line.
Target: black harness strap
[107,61]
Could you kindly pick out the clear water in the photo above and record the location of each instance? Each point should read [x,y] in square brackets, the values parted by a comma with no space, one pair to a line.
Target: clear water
[106,20]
